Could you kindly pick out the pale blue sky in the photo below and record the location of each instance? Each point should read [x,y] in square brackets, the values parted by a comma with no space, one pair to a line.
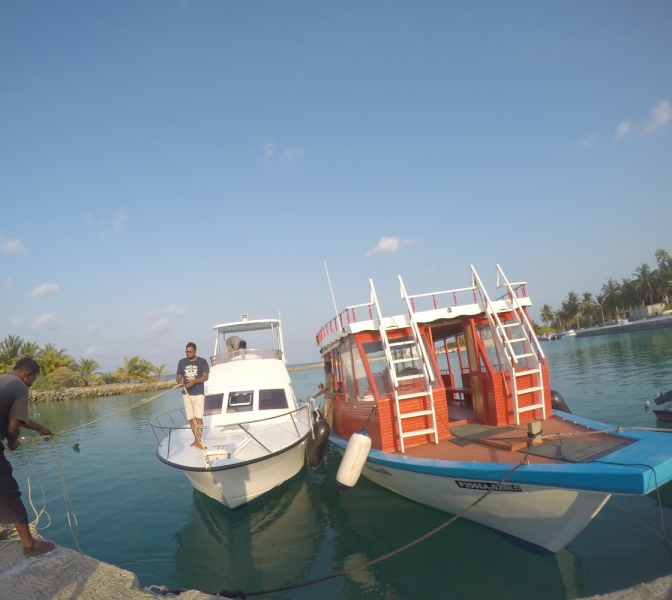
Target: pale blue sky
[168,165]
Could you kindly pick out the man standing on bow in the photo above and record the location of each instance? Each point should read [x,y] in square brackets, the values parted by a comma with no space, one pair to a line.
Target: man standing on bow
[14,415]
[192,372]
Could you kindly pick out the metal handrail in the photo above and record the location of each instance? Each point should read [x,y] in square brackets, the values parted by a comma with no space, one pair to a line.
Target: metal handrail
[156,424]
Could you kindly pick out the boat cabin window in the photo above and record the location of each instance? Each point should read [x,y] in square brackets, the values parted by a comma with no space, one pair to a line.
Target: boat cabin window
[362,389]
[239,402]
[378,365]
[272,399]
[346,365]
[213,404]
[485,333]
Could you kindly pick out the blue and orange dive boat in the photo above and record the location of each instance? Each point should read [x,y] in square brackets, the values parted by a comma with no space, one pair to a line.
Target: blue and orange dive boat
[456,398]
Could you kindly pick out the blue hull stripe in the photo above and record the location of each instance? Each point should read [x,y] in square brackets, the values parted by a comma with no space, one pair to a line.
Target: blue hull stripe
[630,477]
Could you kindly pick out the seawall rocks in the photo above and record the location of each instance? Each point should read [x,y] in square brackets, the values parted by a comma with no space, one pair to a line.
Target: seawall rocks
[95,391]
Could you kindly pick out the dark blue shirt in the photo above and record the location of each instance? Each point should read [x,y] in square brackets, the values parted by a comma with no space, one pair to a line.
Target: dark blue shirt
[193,369]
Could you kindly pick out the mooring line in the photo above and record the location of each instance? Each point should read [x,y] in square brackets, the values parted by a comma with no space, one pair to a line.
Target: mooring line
[243,594]
[69,509]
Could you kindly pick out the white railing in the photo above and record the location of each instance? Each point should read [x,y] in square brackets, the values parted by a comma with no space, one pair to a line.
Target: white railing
[160,424]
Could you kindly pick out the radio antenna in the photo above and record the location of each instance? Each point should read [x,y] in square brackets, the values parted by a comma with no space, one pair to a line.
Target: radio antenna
[338,323]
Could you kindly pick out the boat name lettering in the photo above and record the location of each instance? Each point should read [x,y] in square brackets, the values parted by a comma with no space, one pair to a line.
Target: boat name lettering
[381,470]
[482,485]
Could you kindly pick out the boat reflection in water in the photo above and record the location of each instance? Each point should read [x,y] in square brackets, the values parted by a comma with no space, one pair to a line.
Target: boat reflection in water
[270,542]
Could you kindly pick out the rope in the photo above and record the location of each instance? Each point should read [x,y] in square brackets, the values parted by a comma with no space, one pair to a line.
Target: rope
[243,594]
[595,431]
[69,509]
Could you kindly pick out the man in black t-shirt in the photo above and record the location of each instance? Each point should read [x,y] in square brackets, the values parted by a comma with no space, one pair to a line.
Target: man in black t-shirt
[192,372]
[14,415]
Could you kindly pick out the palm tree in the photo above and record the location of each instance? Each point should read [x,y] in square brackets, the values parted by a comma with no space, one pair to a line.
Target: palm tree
[31,350]
[611,292]
[587,306]
[663,258]
[629,296]
[643,283]
[52,358]
[572,307]
[546,314]
[87,369]
[159,372]
[663,282]
[134,368]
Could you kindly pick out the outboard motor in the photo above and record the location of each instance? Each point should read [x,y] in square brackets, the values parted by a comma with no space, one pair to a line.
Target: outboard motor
[558,402]
[317,443]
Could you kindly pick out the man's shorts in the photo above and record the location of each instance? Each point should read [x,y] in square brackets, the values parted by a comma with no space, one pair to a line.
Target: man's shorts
[12,509]
[193,406]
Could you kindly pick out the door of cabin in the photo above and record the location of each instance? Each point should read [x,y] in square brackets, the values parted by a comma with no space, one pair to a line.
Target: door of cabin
[474,373]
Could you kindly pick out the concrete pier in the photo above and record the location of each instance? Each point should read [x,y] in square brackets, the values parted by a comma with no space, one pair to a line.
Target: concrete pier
[659,589]
[64,574]
[641,325]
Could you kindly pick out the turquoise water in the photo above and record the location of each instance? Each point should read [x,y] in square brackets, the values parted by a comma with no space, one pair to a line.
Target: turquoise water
[137,513]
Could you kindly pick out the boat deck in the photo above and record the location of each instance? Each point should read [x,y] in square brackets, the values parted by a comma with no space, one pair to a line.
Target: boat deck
[509,444]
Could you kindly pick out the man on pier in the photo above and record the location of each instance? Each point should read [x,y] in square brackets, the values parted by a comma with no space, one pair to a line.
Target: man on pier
[192,372]
[14,415]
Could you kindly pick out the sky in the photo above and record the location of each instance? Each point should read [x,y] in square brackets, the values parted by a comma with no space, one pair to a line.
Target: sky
[168,165]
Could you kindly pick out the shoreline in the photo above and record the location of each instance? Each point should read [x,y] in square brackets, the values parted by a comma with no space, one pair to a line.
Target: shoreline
[119,389]
[318,365]
[97,391]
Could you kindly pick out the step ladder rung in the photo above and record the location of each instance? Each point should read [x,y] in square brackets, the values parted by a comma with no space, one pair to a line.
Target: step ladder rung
[510,324]
[529,390]
[400,360]
[406,343]
[528,408]
[514,340]
[517,356]
[528,372]
[413,395]
[419,432]
[407,377]
[419,413]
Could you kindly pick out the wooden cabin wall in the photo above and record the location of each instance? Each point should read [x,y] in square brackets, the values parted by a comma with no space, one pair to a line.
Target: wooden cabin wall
[351,417]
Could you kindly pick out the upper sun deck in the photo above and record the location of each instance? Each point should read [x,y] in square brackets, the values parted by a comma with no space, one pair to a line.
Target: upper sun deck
[267,347]
[426,309]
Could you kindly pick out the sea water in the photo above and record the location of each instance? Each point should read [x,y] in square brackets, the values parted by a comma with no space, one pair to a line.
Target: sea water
[139,514]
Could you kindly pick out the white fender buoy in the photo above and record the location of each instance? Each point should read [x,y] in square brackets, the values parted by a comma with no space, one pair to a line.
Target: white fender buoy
[353,460]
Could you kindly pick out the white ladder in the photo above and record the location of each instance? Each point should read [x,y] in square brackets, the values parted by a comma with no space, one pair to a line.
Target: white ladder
[517,331]
[408,351]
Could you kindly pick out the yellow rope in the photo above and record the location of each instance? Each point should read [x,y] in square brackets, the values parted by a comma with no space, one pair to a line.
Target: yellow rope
[69,509]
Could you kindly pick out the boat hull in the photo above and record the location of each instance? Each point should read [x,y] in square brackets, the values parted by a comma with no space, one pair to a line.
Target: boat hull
[238,485]
[548,518]
[663,415]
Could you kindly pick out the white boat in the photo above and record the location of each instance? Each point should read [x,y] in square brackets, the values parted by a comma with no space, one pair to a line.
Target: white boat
[571,334]
[478,435]
[254,429]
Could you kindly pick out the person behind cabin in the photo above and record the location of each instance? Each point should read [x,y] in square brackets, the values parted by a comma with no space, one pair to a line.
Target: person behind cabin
[14,415]
[192,372]
[234,343]
[328,390]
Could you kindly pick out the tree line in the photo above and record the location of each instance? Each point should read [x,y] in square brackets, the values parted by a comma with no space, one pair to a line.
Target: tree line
[615,300]
[58,369]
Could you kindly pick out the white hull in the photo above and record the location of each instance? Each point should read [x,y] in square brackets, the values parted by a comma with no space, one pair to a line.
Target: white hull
[236,486]
[546,517]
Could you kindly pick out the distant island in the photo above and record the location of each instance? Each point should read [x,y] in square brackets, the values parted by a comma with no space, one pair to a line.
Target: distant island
[305,367]
[648,288]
